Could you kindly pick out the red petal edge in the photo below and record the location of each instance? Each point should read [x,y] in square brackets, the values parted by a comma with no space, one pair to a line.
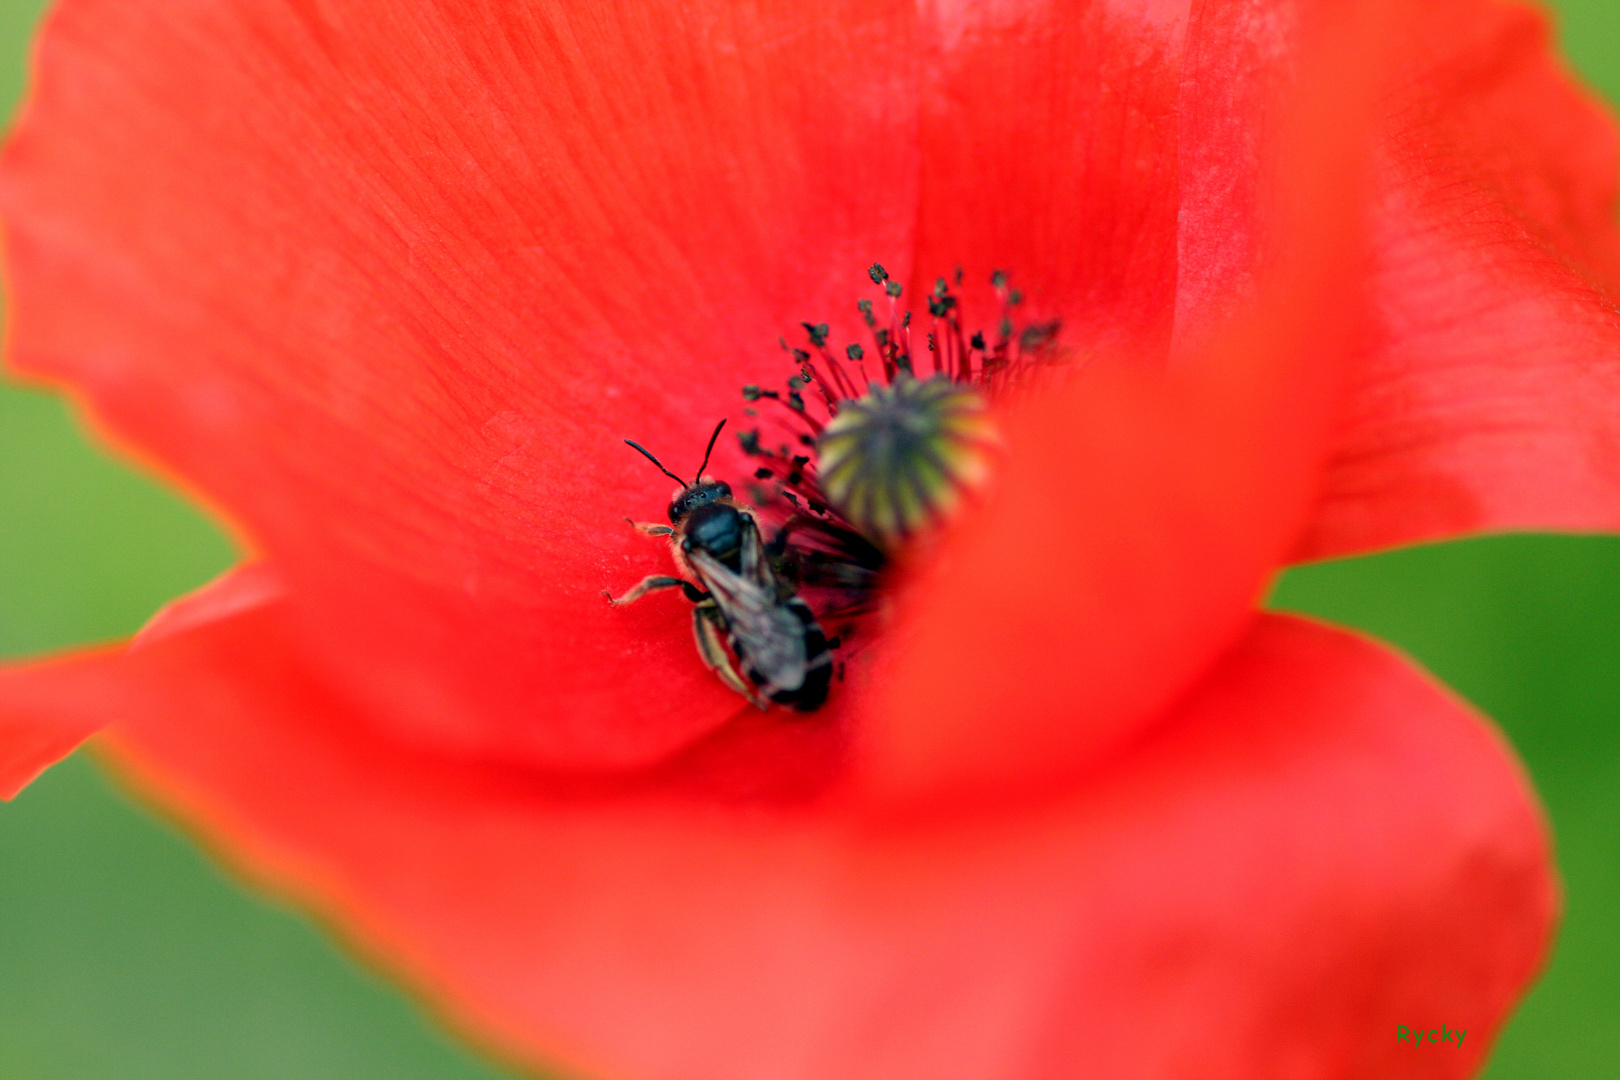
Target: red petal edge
[47,709]
[1491,397]
[1319,846]
[1488,395]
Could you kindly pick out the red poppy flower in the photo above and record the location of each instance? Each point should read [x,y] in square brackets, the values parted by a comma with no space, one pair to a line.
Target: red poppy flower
[386,284]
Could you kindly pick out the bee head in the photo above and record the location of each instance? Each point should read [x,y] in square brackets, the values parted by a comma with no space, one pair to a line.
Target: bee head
[699,494]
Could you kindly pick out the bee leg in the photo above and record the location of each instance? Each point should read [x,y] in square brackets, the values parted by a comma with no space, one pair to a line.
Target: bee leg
[651,529]
[655,583]
[706,630]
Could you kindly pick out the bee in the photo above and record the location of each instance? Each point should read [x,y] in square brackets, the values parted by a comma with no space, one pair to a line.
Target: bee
[739,601]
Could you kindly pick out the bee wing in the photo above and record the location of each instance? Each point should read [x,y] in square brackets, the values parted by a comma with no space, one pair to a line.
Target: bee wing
[755,566]
[767,635]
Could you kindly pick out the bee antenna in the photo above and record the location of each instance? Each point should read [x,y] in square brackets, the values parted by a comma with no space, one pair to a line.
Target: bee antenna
[643,451]
[709,451]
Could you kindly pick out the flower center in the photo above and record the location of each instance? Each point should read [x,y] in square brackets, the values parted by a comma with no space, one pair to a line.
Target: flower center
[873,462]
[859,476]
[897,458]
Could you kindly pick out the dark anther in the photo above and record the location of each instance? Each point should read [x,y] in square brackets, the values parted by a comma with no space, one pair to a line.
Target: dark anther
[801,356]
[806,440]
[854,352]
[893,289]
[940,288]
[800,462]
[763,474]
[879,275]
[795,477]
[795,402]
[978,341]
[1015,297]
[1038,334]
[750,392]
[905,320]
[749,441]
[817,332]
[796,382]
[999,279]
[866,311]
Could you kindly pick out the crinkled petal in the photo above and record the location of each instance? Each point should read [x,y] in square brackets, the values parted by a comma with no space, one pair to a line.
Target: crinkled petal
[1318,846]
[1488,394]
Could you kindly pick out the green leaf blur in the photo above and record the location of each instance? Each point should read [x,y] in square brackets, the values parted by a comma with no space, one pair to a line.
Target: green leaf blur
[126,955]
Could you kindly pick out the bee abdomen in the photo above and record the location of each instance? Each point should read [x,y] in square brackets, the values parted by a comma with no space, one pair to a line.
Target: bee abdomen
[811,693]
[804,683]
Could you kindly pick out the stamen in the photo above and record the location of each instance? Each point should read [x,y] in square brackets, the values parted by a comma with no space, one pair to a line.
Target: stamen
[871,470]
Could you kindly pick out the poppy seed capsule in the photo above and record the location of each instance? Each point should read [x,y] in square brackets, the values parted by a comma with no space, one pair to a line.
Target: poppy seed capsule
[900,457]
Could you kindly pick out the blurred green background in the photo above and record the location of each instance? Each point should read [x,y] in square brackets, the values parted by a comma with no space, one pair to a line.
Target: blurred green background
[125,955]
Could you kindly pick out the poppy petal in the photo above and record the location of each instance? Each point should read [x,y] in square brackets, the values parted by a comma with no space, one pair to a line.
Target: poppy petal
[392,282]
[1319,846]
[1491,397]
[1126,546]
[47,709]
[1142,508]
[1049,151]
